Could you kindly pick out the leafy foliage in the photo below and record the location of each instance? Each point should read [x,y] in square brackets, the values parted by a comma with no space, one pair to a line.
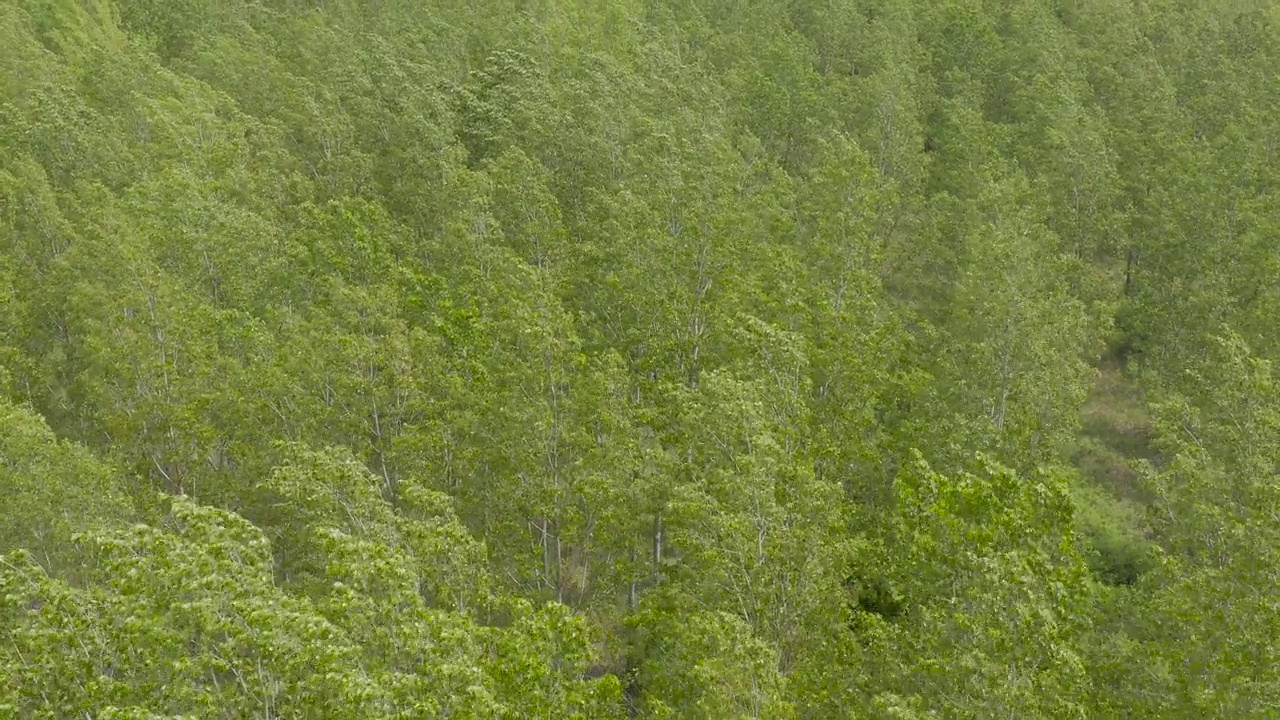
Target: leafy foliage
[879,358]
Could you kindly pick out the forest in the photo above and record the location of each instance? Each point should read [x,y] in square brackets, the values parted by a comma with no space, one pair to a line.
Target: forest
[883,359]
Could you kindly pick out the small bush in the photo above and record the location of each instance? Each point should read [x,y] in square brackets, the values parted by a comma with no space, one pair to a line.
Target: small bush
[1113,535]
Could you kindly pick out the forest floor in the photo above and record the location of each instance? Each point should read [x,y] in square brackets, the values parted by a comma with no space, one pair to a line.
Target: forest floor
[1115,431]
[1112,501]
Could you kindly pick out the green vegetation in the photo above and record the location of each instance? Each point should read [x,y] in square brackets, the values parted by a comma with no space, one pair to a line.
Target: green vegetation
[581,359]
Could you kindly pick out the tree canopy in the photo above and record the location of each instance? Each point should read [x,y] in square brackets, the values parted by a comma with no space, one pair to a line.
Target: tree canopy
[703,359]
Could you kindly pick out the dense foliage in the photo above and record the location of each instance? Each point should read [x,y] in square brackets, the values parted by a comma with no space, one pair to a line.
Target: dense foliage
[657,358]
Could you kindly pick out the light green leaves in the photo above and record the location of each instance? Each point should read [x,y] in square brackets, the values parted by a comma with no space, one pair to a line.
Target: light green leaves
[52,490]
[982,595]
